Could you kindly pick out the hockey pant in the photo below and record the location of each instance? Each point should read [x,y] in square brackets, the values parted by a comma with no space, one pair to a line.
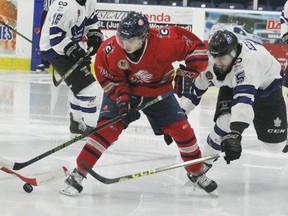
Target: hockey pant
[222,127]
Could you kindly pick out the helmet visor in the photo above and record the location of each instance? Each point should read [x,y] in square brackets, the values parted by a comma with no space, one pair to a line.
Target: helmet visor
[130,45]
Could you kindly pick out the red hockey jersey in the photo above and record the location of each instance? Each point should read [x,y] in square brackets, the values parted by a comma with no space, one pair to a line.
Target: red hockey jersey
[152,74]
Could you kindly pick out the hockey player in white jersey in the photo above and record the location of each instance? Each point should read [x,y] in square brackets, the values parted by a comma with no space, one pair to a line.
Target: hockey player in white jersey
[284,36]
[67,22]
[250,81]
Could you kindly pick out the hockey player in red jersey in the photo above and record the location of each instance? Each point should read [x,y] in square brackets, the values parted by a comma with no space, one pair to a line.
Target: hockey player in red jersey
[134,67]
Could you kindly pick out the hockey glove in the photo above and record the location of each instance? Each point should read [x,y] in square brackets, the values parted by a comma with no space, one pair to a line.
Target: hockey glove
[75,52]
[95,39]
[231,145]
[285,38]
[127,109]
[183,81]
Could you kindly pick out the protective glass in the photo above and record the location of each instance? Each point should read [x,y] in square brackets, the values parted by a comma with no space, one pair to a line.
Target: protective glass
[130,45]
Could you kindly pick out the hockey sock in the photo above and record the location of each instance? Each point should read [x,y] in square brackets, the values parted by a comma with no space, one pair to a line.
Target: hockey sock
[184,136]
[97,144]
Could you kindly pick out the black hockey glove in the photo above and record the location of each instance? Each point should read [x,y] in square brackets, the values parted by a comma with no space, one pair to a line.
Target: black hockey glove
[184,81]
[231,145]
[95,39]
[126,107]
[285,38]
[75,52]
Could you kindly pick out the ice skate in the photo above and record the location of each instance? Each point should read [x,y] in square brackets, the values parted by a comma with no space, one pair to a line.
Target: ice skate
[201,181]
[42,68]
[73,184]
[77,128]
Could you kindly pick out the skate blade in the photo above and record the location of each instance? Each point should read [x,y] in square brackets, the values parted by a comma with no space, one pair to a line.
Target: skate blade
[214,193]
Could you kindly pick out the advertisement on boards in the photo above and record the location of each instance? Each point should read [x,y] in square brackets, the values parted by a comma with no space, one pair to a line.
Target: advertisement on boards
[8,17]
[110,18]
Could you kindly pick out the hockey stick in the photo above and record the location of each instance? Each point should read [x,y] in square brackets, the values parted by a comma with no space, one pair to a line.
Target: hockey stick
[15,30]
[41,179]
[147,172]
[18,166]
[57,82]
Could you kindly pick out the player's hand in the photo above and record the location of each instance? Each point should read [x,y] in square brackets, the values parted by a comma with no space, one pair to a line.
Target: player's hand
[95,39]
[231,145]
[184,81]
[127,109]
[285,38]
[75,52]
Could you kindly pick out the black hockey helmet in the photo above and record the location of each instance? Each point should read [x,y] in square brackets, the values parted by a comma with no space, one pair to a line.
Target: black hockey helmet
[134,25]
[222,43]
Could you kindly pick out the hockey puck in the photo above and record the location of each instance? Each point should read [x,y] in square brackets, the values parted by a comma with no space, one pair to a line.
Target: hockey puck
[27,188]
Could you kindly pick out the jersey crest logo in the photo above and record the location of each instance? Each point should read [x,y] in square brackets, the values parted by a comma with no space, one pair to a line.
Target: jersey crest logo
[123,64]
[209,75]
[240,76]
[141,76]
[277,122]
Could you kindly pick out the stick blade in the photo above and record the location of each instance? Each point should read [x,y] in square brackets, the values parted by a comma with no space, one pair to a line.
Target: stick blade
[96,175]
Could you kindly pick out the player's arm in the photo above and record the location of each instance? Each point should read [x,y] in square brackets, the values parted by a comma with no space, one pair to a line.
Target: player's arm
[115,85]
[242,115]
[94,35]
[60,25]
[193,51]
[112,82]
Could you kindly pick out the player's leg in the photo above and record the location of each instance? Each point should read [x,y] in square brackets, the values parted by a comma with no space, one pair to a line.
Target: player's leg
[95,146]
[83,110]
[83,85]
[270,121]
[167,117]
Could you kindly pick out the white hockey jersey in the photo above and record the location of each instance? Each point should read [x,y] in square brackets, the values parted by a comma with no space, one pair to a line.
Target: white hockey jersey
[66,21]
[255,73]
[284,19]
